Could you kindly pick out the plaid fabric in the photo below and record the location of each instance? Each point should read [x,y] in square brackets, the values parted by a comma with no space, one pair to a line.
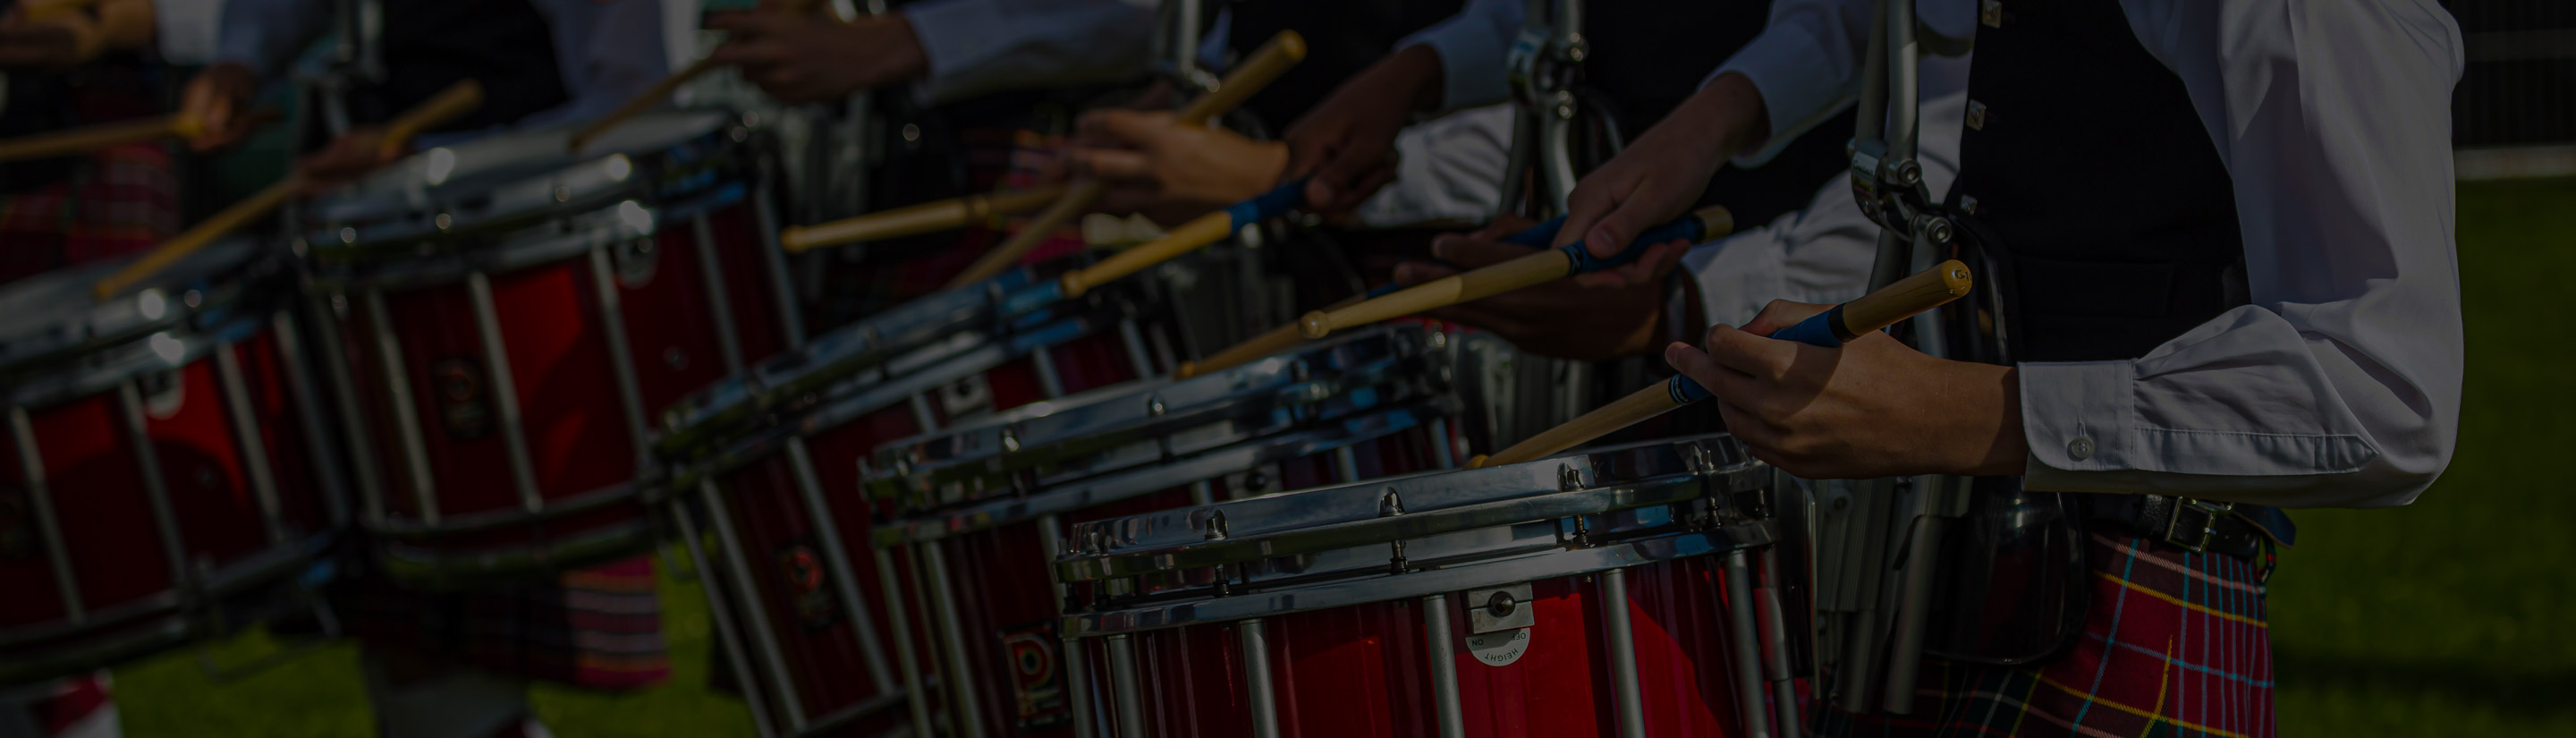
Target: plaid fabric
[2175,644]
[118,201]
[599,627]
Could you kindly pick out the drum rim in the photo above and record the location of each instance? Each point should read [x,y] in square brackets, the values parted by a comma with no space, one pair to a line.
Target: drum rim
[218,295]
[384,235]
[1482,574]
[1551,488]
[731,451]
[1005,443]
[995,511]
[539,241]
[73,375]
[269,564]
[973,339]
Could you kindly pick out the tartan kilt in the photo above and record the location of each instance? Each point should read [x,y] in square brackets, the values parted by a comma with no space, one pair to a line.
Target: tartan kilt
[598,627]
[2175,644]
[119,200]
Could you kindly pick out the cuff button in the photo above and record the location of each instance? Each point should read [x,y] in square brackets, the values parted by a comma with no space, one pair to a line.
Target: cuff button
[2081,448]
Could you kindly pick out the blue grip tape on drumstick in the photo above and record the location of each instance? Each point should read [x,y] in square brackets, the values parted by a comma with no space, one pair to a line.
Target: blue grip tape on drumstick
[1688,228]
[1277,202]
[1816,330]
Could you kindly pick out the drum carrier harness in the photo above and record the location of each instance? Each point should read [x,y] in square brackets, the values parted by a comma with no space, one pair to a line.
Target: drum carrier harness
[1990,572]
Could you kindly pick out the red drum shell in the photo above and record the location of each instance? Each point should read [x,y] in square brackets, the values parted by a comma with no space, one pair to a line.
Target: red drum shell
[92,475]
[580,441]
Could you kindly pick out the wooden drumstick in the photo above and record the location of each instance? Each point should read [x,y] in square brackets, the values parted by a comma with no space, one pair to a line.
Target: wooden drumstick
[655,94]
[1535,269]
[1928,289]
[456,100]
[78,140]
[1274,58]
[1274,341]
[917,219]
[1204,230]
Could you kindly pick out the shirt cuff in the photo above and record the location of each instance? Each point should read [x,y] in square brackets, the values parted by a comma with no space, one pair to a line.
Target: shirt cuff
[1471,63]
[1789,66]
[2076,417]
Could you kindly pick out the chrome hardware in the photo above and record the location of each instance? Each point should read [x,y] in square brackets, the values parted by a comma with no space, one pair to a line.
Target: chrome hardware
[1500,608]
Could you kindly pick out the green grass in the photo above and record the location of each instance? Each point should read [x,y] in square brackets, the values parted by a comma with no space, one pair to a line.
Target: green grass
[2451,616]
[2448,617]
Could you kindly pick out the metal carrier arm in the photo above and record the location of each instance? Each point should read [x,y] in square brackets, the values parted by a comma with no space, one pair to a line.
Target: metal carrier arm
[1543,67]
[1882,648]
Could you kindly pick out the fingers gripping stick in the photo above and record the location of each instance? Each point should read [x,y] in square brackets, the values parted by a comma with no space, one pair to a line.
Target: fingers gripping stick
[1904,299]
[1274,58]
[456,100]
[1528,271]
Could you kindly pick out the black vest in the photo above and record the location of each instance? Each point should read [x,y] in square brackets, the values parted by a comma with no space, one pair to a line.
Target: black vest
[2094,186]
[430,44]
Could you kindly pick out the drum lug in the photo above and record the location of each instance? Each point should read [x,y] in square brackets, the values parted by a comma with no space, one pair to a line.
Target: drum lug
[1216,526]
[1568,478]
[635,261]
[1500,608]
[1391,505]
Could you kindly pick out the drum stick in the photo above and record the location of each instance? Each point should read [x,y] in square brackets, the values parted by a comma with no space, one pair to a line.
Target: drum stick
[1274,58]
[918,219]
[1535,269]
[1276,340]
[456,100]
[87,138]
[655,94]
[1926,290]
[1204,230]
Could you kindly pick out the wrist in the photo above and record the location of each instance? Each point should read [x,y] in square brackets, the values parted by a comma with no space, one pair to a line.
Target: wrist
[1987,437]
[1417,73]
[1724,118]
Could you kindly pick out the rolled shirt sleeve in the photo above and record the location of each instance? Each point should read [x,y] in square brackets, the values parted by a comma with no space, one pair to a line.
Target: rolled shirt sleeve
[982,46]
[606,51]
[2340,384]
[1472,46]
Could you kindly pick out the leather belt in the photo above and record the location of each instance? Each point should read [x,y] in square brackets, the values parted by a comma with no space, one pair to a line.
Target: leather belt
[2198,526]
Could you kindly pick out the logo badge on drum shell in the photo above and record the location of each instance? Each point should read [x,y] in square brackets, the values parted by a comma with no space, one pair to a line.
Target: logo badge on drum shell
[802,569]
[1037,676]
[464,406]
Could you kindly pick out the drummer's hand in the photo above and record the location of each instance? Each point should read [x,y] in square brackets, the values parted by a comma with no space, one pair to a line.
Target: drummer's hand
[1873,408]
[1169,172]
[357,154]
[1592,317]
[806,57]
[1658,177]
[219,100]
[58,41]
[1346,146]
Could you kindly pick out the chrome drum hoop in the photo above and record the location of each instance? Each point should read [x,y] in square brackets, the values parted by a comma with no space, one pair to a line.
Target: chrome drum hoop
[1358,533]
[220,295]
[456,202]
[915,348]
[996,511]
[1054,443]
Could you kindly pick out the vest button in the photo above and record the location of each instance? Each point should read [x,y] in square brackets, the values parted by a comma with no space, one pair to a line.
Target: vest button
[1976,115]
[1992,13]
[2081,448]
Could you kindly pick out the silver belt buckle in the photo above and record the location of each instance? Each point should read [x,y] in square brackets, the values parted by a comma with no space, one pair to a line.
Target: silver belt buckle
[2195,537]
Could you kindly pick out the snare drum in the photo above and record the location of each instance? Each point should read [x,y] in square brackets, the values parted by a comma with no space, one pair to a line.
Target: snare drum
[510,314]
[170,465]
[985,504]
[1628,591]
[795,600]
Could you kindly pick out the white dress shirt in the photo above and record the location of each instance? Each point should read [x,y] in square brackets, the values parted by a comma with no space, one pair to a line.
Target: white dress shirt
[2340,384]
[605,50]
[977,47]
